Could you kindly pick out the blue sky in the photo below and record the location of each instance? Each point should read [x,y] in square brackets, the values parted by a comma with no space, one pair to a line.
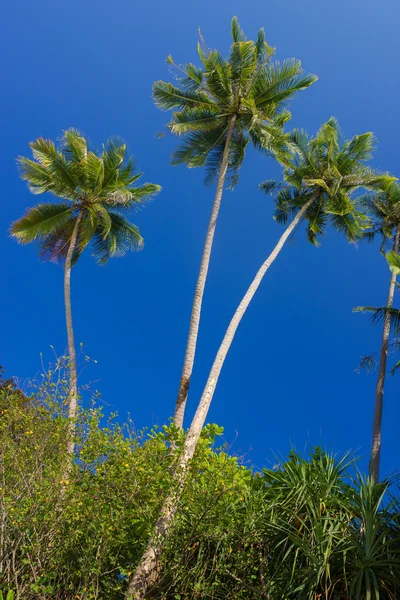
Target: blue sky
[290,376]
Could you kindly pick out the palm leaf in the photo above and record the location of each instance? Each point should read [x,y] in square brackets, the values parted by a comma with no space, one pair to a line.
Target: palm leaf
[378,314]
[123,236]
[40,221]
[168,96]
[393,260]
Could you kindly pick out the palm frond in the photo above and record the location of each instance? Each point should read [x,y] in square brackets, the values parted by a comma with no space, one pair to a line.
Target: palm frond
[54,247]
[64,174]
[40,221]
[122,237]
[379,313]
[196,119]
[367,363]
[270,185]
[197,146]
[236,157]
[237,33]
[393,260]
[167,96]
[74,145]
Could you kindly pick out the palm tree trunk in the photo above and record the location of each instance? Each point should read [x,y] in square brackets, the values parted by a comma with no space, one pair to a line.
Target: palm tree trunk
[147,571]
[73,380]
[200,285]
[377,423]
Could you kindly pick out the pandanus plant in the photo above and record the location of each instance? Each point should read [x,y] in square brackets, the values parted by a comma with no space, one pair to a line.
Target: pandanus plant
[218,109]
[384,208]
[320,181]
[96,192]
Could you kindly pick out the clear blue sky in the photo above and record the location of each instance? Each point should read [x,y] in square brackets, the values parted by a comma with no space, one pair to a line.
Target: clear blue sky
[290,376]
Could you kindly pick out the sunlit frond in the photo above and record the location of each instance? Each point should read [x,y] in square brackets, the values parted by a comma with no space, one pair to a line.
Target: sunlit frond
[40,221]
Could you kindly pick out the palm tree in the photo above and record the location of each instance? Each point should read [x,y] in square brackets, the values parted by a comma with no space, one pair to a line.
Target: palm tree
[322,176]
[384,208]
[96,191]
[218,109]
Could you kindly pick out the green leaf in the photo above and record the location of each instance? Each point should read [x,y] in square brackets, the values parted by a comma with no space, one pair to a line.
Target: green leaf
[393,260]
[40,221]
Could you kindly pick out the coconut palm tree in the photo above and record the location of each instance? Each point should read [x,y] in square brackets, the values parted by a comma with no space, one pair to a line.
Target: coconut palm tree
[96,191]
[218,109]
[319,184]
[384,208]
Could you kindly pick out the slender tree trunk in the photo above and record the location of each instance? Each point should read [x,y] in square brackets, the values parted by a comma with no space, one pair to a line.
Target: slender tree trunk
[73,380]
[200,285]
[147,571]
[377,423]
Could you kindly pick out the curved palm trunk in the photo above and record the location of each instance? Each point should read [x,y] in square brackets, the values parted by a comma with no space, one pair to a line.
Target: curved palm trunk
[147,571]
[377,423]
[73,380]
[200,285]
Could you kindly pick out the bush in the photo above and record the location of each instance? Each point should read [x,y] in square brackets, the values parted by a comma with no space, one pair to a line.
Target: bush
[302,530]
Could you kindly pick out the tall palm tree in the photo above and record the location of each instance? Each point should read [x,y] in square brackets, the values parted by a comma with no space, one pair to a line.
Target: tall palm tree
[96,191]
[384,208]
[218,109]
[319,183]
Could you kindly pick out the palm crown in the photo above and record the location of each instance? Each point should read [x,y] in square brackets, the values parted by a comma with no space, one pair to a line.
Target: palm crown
[384,210]
[97,189]
[330,171]
[246,87]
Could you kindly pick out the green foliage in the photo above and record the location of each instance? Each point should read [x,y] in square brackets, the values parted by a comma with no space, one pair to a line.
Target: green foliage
[99,188]
[303,529]
[383,207]
[329,170]
[393,260]
[378,314]
[246,86]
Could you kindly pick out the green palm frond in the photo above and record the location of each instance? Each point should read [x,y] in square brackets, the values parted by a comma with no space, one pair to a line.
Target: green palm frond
[74,146]
[54,246]
[196,119]
[168,96]
[122,237]
[393,260]
[270,185]
[237,33]
[65,175]
[287,203]
[378,314]
[277,82]
[383,207]
[40,221]
[198,147]
[237,154]
[247,87]
[395,368]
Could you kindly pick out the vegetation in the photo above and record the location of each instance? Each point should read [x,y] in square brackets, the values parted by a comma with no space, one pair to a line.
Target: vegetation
[97,191]
[308,528]
[219,109]
[90,507]
[384,207]
[320,180]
